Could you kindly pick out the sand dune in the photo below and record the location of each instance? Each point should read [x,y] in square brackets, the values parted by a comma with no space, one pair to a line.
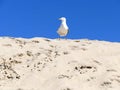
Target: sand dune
[51,64]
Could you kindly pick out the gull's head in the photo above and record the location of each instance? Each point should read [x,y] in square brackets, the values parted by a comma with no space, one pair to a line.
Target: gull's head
[62,19]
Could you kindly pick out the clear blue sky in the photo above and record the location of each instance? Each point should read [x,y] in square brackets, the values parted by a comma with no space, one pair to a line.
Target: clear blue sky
[92,19]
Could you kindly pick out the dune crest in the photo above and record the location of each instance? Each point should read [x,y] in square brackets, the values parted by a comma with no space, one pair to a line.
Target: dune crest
[51,64]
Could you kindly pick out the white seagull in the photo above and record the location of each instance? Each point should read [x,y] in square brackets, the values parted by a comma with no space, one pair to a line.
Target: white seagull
[63,29]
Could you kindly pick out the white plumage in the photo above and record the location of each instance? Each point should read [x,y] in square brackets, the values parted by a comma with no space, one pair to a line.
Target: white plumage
[63,29]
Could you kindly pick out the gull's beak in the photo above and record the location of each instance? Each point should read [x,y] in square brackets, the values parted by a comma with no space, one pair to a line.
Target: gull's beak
[59,18]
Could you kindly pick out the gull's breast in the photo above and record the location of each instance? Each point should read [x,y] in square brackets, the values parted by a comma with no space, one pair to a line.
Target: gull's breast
[62,31]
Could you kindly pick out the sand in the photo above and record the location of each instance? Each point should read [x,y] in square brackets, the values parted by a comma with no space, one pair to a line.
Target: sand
[52,64]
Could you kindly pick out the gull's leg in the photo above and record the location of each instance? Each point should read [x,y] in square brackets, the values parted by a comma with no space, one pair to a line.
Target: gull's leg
[59,38]
[65,37]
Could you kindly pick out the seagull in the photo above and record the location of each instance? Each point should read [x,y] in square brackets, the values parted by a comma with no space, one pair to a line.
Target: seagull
[63,29]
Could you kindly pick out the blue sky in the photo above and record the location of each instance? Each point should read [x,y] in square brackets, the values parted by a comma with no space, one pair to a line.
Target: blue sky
[92,19]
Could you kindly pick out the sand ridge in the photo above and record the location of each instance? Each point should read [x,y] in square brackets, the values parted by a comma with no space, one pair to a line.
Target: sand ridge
[52,64]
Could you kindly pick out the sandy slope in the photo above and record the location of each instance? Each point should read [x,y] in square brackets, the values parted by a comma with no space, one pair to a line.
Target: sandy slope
[46,64]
